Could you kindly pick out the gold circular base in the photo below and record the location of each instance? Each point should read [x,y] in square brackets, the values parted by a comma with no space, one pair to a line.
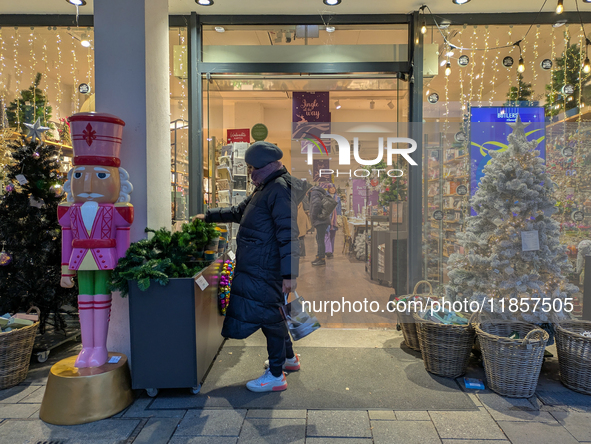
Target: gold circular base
[80,395]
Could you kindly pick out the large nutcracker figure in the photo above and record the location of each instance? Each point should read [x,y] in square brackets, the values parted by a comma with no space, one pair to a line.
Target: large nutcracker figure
[95,223]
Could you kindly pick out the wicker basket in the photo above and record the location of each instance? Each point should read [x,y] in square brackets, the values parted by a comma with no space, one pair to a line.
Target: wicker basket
[16,347]
[407,322]
[445,348]
[574,355]
[512,366]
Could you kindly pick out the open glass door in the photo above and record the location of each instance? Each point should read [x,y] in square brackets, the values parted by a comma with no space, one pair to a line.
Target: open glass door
[368,235]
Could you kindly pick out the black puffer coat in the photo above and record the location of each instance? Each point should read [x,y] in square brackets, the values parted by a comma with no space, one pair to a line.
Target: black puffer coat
[316,194]
[267,252]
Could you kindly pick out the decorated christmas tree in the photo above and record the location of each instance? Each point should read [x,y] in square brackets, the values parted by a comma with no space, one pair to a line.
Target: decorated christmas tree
[30,263]
[30,106]
[562,94]
[512,247]
[520,93]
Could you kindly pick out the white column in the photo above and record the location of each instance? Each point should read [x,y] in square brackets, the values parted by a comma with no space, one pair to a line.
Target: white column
[132,82]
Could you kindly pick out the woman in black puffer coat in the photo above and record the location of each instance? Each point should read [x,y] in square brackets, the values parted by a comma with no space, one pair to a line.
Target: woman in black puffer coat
[267,261]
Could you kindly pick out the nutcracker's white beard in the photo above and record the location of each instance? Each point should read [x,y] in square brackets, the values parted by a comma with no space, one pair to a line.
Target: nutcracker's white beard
[124,192]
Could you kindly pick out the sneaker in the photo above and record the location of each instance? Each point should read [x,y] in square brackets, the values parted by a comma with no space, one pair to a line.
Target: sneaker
[267,383]
[319,262]
[290,365]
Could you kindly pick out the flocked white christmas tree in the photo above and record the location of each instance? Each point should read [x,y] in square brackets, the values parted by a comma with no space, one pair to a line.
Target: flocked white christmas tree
[514,205]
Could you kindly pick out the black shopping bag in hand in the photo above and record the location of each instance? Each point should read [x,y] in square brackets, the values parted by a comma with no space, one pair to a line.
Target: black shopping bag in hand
[299,322]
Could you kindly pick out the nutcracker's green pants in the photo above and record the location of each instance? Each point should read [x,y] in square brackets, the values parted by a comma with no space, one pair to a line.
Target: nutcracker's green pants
[93,282]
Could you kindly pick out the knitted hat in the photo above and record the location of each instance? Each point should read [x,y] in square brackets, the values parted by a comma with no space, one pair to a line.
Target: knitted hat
[260,154]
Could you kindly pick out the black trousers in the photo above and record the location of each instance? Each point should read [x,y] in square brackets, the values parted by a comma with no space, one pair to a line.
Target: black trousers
[302,246]
[320,232]
[278,348]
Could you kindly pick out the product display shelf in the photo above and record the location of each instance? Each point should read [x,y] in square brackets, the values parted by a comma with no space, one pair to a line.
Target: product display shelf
[447,169]
[179,170]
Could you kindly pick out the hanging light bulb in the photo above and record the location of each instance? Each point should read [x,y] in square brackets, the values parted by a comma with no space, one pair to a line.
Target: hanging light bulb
[586,66]
[424,28]
[521,65]
[559,7]
[447,68]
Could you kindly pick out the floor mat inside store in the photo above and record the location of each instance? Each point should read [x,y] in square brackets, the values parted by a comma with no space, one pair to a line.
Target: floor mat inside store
[330,378]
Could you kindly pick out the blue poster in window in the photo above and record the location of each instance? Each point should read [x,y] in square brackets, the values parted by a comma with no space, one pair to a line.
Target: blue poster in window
[489,131]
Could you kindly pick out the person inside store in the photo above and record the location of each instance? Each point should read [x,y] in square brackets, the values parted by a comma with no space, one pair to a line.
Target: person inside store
[304,224]
[331,231]
[267,261]
[319,221]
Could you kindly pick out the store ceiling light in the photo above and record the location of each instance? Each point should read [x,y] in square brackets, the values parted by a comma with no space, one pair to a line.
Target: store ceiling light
[77,2]
[331,2]
[220,29]
[521,65]
[447,69]
[559,7]
[330,29]
[204,2]
[443,62]
[390,105]
[337,105]
[372,104]
[85,43]
[559,23]
[460,2]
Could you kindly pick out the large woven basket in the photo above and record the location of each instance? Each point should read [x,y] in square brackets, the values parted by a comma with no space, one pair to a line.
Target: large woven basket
[574,355]
[512,366]
[445,348]
[407,322]
[16,347]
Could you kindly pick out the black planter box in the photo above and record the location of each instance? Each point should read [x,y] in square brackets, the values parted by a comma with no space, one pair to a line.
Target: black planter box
[175,331]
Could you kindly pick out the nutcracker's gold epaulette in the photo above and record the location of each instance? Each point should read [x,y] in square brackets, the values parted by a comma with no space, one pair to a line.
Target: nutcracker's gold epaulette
[65,204]
[123,204]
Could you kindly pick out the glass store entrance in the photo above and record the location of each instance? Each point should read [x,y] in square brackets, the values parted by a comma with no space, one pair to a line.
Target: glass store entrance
[369,236]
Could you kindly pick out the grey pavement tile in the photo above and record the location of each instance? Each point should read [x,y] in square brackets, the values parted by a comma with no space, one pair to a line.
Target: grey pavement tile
[273,431]
[404,432]
[475,441]
[157,431]
[338,423]
[34,398]
[203,440]
[107,431]
[492,400]
[466,425]
[139,410]
[211,422]
[402,415]
[339,441]
[382,415]
[16,393]
[522,432]
[578,424]
[522,415]
[18,411]
[276,413]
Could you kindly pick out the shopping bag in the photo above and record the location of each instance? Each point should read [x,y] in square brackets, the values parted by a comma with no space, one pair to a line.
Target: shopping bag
[299,323]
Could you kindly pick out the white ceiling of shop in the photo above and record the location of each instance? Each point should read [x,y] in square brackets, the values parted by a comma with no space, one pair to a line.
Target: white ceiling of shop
[307,7]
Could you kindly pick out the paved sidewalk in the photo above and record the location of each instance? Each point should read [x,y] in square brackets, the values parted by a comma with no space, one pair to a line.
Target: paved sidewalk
[554,415]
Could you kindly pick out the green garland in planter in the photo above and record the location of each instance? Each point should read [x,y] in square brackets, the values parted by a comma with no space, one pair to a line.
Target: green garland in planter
[164,256]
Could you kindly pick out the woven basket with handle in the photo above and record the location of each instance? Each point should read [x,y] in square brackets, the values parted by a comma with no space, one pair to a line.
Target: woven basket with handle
[512,366]
[445,348]
[406,320]
[574,355]
[16,347]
